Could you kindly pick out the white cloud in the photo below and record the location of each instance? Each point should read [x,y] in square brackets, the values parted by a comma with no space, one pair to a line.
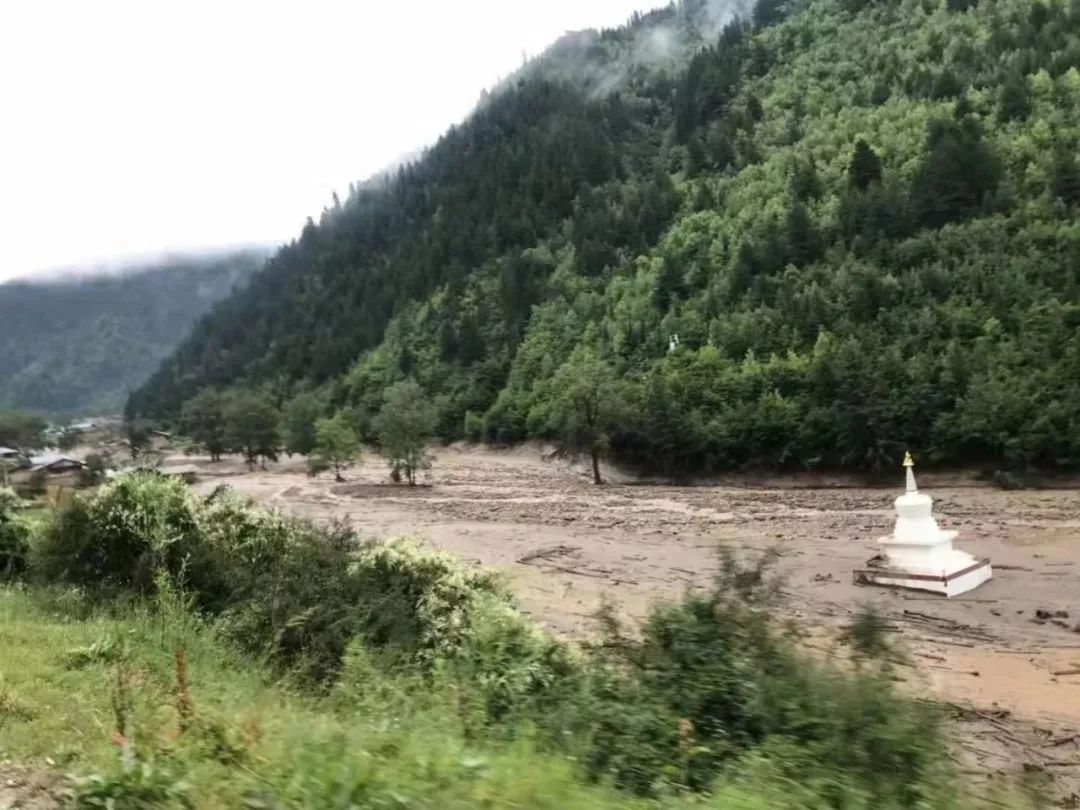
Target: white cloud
[132,127]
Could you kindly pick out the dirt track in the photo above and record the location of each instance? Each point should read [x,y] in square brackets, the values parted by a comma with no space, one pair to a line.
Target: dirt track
[565,543]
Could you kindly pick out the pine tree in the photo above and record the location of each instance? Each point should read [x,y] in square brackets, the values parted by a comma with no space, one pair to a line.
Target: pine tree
[803,239]
[1014,99]
[768,12]
[865,166]
[1065,178]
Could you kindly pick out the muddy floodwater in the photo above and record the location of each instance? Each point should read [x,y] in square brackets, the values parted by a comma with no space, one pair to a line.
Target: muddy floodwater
[1007,654]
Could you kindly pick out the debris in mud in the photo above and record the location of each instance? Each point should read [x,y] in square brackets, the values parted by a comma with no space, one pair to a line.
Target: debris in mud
[549,554]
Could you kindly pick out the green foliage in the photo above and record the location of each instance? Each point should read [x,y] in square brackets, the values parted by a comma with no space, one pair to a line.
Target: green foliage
[143,785]
[713,679]
[120,536]
[336,442]
[251,425]
[34,485]
[94,471]
[868,633]
[14,536]
[865,166]
[203,419]
[589,403]
[79,345]
[298,418]
[958,177]
[1015,98]
[22,430]
[139,436]
[404,426]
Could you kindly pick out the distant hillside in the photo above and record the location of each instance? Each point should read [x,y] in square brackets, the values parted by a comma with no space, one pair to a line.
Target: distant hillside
[859,217]
[81,344]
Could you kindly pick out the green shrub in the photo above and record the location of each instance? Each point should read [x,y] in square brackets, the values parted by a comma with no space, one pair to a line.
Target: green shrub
[14,535]
[416,604]
[145,784]
[120,536]
[317,465]
[287,592]
[713,681]
[34,485]
[473,426]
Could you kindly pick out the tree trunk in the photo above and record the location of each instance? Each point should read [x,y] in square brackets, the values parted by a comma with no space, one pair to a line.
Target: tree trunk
[596,479]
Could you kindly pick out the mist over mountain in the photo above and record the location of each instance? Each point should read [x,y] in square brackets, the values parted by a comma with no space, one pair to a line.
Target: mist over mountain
[857,216]
[134,264]
[78,342]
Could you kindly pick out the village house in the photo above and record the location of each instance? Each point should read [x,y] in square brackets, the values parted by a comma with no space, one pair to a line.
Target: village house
[55,464]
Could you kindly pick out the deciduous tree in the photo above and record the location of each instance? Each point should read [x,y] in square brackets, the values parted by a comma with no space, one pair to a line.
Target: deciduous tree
[298,419]
[404,426]
[203,419]
[336,443]
[590,404]
[251,426]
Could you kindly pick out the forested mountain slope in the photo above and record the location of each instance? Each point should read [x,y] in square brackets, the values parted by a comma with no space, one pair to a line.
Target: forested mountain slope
[859,218]
[80,344]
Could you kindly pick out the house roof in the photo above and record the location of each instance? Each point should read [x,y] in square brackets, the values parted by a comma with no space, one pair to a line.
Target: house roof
[52,459]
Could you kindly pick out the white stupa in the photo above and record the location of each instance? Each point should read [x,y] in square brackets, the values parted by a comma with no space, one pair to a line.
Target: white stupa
[918,554]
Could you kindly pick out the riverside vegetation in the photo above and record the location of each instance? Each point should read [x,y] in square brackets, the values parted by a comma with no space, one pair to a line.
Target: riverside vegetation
[174,651]
[859,217]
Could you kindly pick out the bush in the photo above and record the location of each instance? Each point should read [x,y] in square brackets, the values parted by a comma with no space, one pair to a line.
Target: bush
[94,471]
[281,587]
[317,465]
[473,426]
[285,590]
[119,537]
[713,681]
[34,485]
[13,536]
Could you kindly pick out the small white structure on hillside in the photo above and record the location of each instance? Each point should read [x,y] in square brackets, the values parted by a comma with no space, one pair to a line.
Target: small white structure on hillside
[918,554]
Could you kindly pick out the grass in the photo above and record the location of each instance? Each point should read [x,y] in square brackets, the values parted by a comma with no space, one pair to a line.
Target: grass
[253,741]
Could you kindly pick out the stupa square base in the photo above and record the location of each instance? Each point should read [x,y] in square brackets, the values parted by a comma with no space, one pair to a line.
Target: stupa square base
[947,583]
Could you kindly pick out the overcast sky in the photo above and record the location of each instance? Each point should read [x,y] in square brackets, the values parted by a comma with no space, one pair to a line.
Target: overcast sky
[133,128]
